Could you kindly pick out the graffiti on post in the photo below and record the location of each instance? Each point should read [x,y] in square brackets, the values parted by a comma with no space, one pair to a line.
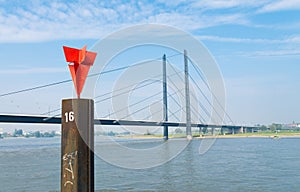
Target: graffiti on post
[68,166]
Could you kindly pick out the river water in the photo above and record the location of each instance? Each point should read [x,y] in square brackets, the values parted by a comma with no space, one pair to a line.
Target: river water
[238,164]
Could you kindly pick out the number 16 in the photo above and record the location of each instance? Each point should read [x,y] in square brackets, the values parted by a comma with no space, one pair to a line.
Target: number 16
[69,116]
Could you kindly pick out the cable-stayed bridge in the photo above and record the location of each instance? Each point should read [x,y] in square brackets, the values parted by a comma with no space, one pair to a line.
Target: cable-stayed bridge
[184,99]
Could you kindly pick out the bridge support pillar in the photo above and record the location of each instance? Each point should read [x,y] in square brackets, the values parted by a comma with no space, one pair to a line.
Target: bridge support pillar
[232,131]
[241,130]
[77,145]
[222,131]
[200,131]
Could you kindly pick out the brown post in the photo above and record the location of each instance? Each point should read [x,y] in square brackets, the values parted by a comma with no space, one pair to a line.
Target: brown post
[77,145]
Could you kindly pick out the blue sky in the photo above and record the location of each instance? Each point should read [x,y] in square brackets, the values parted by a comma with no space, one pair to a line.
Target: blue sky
[256,44]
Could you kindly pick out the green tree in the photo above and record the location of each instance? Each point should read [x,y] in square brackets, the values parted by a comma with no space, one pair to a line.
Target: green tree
[37,134]
[111,133]
[18,132]
[178,131]
[263,127]
[275,127]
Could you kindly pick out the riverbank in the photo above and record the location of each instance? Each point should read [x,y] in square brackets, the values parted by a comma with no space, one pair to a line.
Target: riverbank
[241,135]
[263,134]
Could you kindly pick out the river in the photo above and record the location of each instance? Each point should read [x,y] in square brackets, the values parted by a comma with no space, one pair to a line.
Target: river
[236,164]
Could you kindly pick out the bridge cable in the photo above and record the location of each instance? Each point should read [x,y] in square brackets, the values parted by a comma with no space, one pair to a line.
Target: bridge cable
[136,103]
[143,108]
[192,107]
[108,93]
[193,110]
[70,80]
[201,76]
[200,91]
[206,98]
[201,106]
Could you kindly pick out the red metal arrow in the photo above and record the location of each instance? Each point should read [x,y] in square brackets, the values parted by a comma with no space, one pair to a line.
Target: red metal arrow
[81,61]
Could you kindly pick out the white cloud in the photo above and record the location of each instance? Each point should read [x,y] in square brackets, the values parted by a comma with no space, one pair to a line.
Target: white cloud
[230,39]
[281,5]
[221,4]
[52,20]
[292,39]
[287,52]
[285,47]
[177,20]
[56,20]
[172,3]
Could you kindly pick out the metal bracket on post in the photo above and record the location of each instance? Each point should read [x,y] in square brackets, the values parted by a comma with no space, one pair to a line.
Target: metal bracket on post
[77,145]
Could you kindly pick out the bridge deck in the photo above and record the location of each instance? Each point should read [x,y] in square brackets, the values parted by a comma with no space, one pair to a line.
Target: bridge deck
[8,118]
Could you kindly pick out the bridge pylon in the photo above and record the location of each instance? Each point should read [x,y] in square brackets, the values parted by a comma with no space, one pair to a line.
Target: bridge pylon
[187,98]
[165,98]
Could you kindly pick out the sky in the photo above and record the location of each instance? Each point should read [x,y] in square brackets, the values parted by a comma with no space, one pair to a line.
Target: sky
[255,43]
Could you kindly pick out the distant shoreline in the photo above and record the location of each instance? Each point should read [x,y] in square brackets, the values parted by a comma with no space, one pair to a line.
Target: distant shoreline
[272,136]
[250,136]
[245,135]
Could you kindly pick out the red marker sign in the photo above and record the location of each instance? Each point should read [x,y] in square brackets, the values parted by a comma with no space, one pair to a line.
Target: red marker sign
[80,63]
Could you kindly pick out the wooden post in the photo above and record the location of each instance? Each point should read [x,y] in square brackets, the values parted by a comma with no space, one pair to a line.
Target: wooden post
[77,145]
